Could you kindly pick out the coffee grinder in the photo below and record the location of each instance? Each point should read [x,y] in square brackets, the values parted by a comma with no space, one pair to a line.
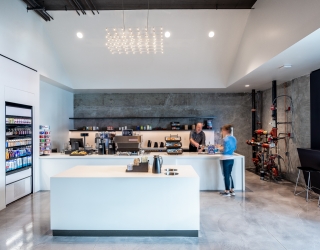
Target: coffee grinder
[84,139]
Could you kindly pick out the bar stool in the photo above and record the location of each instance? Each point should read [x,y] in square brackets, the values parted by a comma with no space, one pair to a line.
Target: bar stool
[308,186]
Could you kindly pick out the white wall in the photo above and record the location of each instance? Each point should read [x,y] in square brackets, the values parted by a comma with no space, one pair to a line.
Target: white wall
[20,85]
[272,27]
[24,38]
[56,106]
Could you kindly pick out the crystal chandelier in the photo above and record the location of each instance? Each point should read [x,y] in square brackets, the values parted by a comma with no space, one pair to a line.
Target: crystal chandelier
[135,40]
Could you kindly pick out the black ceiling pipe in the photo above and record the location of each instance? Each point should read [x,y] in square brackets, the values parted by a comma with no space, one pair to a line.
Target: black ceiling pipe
[253,119]
[274,103]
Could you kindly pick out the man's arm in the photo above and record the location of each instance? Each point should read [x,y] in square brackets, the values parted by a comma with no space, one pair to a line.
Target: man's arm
[194,143]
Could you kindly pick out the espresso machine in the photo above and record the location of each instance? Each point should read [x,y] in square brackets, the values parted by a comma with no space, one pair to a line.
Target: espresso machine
[127,145]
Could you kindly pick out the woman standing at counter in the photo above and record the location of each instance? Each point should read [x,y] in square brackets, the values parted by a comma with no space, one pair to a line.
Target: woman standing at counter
[197,138]
[228,148]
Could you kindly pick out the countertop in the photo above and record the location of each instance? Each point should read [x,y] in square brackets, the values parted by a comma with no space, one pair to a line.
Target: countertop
[151,154]
[92,171]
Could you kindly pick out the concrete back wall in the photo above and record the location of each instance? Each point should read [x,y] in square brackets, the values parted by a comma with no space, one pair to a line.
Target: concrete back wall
[299,90]
[227,108]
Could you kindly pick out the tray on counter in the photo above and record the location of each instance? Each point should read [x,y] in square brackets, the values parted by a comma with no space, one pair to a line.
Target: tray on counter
[142,167]
[172,138]
[170,145]
[175,151]
[77,154]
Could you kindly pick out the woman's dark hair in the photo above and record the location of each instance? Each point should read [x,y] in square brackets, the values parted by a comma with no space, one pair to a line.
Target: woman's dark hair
[227,128]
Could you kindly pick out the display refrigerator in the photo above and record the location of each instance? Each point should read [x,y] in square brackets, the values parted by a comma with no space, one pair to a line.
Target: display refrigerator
[44,140]
[19,151]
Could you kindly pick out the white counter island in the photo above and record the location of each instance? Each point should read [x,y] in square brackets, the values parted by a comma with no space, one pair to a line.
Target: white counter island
[206,166]
[107,201]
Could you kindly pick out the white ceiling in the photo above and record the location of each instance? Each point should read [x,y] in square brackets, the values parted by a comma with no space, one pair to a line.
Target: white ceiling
[304,56]
[192,62]
[191,59]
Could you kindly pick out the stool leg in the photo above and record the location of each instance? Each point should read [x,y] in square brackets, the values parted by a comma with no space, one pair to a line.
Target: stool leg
[308,187]
[295,189]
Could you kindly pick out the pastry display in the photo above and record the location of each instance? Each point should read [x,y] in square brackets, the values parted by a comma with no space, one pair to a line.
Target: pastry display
[77,152]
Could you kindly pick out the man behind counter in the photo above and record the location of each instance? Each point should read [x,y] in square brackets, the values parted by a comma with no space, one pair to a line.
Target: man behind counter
[197,139]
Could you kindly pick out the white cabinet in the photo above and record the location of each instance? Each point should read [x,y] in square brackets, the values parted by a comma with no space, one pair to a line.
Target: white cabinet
[18,189]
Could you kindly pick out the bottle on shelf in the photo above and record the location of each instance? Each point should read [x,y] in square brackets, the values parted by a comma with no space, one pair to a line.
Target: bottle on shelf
[7,154]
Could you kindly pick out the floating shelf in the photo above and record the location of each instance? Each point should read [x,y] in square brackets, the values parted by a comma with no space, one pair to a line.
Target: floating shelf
[154,130]
[141,117]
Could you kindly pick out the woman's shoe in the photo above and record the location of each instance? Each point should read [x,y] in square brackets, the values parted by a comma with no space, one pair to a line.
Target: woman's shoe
[225,194]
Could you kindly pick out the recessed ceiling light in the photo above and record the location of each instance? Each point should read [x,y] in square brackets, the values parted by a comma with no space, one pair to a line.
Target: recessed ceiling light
[285,66]
[247,86]
[167,34]
[79,34]
[211,34]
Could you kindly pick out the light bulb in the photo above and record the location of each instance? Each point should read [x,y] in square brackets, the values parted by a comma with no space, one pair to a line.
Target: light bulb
[79,35]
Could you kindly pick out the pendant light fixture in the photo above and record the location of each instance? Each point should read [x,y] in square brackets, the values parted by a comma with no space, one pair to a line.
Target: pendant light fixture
[135,40]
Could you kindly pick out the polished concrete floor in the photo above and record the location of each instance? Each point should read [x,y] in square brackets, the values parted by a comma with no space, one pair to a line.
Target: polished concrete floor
[266,216]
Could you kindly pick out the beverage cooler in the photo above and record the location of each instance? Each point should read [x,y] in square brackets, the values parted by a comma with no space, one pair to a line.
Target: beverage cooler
[19,151]
[44,140]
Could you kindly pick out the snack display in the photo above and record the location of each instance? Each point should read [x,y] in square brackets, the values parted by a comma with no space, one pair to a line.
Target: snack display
[175,151]
[136,161]
[173,144]
[78,153]
[172,138]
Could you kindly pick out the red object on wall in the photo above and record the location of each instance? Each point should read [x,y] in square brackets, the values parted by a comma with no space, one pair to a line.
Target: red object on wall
[261,132]
[274,133]
[265,145]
